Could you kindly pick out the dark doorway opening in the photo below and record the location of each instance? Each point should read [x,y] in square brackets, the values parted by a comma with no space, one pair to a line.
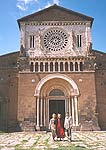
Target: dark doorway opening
[56,106]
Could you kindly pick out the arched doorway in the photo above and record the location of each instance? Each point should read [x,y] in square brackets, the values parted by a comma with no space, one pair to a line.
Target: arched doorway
[56,93]
[56,102]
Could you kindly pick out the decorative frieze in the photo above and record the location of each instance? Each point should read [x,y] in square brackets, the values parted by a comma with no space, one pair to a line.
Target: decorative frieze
[33,38]
[55,23]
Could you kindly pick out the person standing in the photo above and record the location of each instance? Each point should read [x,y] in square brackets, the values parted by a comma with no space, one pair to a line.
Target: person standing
[68,125]
[52,125]
[60,127]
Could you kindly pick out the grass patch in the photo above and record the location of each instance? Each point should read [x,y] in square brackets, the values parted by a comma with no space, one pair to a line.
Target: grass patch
[69,148]
[18,147]
[1,132]
[24,141]
[46,142]
[32,147]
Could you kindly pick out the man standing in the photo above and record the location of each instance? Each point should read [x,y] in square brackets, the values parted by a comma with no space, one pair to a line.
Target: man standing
[68,125]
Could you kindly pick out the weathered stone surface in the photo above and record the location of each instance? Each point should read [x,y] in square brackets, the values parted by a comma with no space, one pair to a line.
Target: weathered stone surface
[18,99]
[25,140]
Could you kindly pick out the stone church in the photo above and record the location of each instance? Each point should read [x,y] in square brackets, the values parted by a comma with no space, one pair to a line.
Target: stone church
[55,71]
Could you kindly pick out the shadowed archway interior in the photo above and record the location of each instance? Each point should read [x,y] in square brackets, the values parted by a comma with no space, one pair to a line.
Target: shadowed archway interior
[56,106]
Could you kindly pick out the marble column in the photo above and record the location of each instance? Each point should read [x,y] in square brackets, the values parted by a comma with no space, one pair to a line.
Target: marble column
[76,109]
[43,66]
[33,66]
[41,124]
[53,66]
[73,66]
[48,66]
[63,66]
[44,114]
[69,106]
[37,125]
[73,111]
[38,66]
[79,66]
[59,66]
[68,66]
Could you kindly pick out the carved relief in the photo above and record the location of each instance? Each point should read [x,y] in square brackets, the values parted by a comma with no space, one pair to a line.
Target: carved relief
[90,64]
[43,47]
[22,51]
[89,48]
[55,39]
[23,64]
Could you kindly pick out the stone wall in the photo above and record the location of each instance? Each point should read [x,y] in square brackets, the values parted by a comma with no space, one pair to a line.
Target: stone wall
[101,89]
[86,100]
[8,91]
[19,104]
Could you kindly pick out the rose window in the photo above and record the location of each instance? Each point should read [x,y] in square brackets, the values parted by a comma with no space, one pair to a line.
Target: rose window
[55,40]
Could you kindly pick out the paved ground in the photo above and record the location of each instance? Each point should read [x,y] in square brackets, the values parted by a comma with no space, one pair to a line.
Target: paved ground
[42,140]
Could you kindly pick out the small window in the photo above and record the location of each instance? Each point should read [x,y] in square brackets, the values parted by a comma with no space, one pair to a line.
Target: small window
[41,66]
[81,66]
[36,67]
[32,41]
[51,66]
[71,66]
[61,66]
[79,41]
[76,66]
[46,66]
[66,66]
[56,66]
[31,67]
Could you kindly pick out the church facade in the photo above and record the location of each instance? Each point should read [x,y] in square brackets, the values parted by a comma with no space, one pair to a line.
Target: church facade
[55,71]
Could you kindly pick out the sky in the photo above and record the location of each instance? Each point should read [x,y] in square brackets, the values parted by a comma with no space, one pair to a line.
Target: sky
[11,10]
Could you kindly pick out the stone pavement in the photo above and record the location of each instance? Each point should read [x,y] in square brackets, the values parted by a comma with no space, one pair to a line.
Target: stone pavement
[42,140]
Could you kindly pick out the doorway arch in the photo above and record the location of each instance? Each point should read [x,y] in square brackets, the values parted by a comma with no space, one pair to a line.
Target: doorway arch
[56,89]
[56,102]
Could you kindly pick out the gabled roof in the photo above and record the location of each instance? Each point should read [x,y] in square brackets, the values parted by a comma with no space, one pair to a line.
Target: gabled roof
[56,13]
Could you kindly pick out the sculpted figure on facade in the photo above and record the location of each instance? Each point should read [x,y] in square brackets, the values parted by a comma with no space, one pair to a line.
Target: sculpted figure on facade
[22,51]
[89,48]
[23,64]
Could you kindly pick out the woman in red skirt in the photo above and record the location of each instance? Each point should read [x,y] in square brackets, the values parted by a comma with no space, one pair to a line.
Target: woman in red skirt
[60,127]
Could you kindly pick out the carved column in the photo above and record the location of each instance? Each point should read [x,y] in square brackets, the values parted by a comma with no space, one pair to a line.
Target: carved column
[37,125]
[76,109]
[73,66]
[73,116]
[38,66]
[53,66]
[59,66]
[79,66]
[41,124]
[48,66]
[44,66]
[68,66]
[33,66]
[63,66]
[44,114]
[69,106]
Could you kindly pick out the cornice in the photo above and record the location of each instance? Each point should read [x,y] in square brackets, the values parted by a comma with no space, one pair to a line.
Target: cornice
[55,23]
[73,58]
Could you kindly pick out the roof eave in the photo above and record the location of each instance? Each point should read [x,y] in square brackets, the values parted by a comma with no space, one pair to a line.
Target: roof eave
[55,6]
